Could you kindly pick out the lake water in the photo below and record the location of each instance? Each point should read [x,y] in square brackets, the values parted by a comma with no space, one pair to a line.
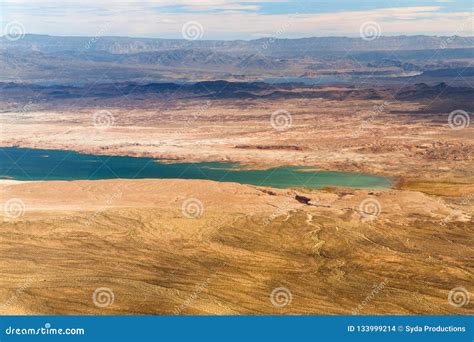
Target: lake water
[38,164]
[306,80]
[347,79]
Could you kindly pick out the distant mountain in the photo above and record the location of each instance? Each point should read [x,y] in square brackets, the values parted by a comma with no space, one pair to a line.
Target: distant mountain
[79,60]
[265,46]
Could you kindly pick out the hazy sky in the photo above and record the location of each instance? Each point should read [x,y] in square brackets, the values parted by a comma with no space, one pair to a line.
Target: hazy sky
[231,19]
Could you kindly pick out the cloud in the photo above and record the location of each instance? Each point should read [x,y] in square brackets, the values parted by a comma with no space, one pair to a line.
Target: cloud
[146,18]
[110,5]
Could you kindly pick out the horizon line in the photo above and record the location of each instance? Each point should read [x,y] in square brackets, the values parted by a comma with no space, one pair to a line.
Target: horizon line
[235,40]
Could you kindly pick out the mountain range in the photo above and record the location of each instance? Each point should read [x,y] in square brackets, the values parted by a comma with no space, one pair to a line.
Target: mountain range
[78,60]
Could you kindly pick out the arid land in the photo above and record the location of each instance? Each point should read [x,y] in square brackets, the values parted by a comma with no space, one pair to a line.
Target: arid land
[131,236]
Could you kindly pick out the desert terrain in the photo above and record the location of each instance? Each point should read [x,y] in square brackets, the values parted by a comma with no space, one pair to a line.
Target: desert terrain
[324,251]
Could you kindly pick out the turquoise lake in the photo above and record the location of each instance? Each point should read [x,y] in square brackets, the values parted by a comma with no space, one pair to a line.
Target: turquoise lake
[38,164]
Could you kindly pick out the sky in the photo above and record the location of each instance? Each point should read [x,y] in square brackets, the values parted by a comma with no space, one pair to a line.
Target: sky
[233,19]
